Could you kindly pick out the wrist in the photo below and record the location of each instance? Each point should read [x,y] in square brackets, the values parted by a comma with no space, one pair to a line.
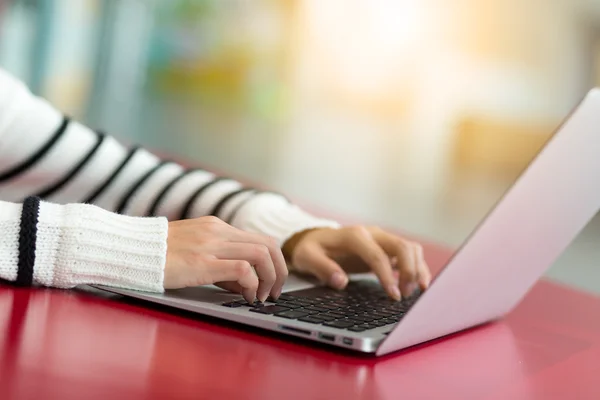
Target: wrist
[291,244]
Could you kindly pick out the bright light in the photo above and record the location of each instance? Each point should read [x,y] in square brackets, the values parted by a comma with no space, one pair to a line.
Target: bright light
[369,43]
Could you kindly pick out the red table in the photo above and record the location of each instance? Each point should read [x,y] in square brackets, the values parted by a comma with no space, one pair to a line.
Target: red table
[72,345]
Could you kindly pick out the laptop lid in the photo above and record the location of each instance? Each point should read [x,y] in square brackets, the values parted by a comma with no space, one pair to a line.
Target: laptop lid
[537,218]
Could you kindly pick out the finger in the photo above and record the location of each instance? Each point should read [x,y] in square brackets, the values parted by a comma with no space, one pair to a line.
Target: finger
[281,271]
[424,275]
[315,261]
[407,264]
[257,255]
[238,271]
[232,287]
[280,266]
[359,241]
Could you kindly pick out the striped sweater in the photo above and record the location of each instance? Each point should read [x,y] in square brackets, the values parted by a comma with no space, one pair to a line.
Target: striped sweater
[104,209]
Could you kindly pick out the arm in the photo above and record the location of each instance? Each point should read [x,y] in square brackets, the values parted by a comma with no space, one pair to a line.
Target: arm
[44,154]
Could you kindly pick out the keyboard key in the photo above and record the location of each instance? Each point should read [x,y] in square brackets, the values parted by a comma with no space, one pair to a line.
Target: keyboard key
[309,312]
[356,329]
[342,303]
[253,305]
[337,314]
[328,306]
[378,315]
[355,311]
[308,301]
[232,304]
[367,326]
[354,322]
[311,320]
[360,318]
[289,304]
[339,324]
[394,319]
[269,309]
[385,313]
[378,323]
[316,308]
[285,296]
[292,314]
[325,317]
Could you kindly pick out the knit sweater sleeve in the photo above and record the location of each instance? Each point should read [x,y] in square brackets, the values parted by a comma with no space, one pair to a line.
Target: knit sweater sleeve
[67,245]
[103,218]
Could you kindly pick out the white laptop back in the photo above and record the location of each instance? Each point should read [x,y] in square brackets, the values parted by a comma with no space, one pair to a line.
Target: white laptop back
[530,227]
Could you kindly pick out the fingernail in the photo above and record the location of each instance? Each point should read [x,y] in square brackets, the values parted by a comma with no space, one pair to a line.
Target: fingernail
[263,297]
[338,280]
[277,294]
[393,289]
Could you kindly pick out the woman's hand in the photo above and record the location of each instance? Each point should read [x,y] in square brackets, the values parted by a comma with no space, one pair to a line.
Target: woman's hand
[328,253]
[206,250]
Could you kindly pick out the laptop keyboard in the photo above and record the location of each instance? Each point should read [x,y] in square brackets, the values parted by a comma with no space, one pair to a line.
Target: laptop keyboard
[363,305]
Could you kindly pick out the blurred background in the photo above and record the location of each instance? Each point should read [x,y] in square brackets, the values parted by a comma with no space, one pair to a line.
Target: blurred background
[413,114]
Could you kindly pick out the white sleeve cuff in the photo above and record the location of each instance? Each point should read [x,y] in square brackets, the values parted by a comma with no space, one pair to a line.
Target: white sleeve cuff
[84,244]
[272,215]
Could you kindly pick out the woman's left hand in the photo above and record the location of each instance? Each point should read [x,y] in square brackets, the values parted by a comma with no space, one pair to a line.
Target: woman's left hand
[330,253]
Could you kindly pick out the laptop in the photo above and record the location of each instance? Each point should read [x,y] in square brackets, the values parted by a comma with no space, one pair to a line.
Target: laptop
[537,218]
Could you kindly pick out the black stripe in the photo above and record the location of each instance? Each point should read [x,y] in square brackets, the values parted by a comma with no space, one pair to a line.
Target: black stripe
[73,172]
[112,176]
[125,200]
[188,206]
[25,165]
[27,241]
[235,211]
[223,202]
[158,200]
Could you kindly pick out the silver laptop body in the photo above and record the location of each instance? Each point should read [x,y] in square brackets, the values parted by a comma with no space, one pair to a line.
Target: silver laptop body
[538,217]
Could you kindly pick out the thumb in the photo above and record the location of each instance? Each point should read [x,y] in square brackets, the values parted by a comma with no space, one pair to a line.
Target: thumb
[327,270]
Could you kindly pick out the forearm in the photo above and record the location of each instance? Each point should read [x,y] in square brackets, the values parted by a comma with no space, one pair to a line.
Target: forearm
[62,161]
[67,245]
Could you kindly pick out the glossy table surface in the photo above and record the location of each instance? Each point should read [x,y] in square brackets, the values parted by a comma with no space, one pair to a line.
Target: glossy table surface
[79,345]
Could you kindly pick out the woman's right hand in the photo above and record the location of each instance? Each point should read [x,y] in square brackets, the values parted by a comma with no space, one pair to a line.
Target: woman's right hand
[206,250]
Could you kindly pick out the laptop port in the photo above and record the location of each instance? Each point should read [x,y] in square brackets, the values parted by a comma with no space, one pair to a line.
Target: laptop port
[327,336]
[348,341]
[296,330]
